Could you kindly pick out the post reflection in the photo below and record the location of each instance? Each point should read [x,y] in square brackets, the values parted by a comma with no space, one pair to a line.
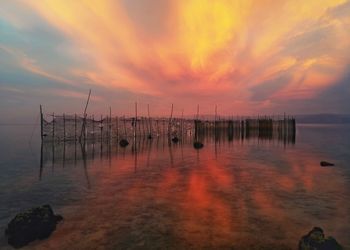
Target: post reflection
[231,193]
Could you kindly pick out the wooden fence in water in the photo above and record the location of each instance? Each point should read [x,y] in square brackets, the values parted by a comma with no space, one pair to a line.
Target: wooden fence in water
[66,127]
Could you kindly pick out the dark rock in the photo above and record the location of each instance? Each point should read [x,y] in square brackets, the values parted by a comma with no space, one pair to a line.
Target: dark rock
[175,139]
[315,240]
[198,145]
[123,143]
[149,137]
[326,164]
[34,224]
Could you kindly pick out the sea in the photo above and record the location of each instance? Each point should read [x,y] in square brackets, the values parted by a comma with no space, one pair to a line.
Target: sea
[234,193]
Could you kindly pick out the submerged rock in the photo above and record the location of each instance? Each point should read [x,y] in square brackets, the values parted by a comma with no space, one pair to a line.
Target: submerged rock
[123,143]
[34,224]
[315,240]
[326,164]
[198,145]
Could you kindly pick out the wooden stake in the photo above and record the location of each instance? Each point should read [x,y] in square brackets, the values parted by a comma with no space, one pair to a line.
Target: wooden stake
[124,127]
[116,124]
[135,120]
[149,121]
[53,126]
[197,111]
[110,122]
[170,119]
[182,122]
[64,127]
[101,128]
[75,127]
[84,117]
[41,123]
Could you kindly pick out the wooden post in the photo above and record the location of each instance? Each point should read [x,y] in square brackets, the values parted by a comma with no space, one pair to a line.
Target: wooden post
[93,127]
[143,126]
[53,126]
[158,129]
[41,123]
[116,124]
[125,127]
[135,120]
[75,127]
[84,117]
[182,122]
[64,127]
[101,128]
[110,122]
[170,119]
[149,121]
[216,113]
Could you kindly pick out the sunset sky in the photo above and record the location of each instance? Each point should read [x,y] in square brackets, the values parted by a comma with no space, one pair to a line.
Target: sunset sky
[246,56]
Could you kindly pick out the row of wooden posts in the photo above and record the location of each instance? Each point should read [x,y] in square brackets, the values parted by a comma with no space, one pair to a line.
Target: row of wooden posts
[77,128]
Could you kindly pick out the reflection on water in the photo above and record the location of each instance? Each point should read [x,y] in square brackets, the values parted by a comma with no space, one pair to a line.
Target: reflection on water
[155,194]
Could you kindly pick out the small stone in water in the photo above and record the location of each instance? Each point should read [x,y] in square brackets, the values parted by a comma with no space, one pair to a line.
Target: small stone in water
[326,164]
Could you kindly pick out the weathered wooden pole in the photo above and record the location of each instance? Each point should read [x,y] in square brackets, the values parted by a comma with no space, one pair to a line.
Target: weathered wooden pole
[135,120]
[110,122]
[216,113]
[170,119]
[143,126]
[41,123]
[64,127]
[93,127]
[101,128]
[84,117]
[116,124]
[149,122]
[182,122]
[53,126]
[158,129]
[75,127]
[125,127]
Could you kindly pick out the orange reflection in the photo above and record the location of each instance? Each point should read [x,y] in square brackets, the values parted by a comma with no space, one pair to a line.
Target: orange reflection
[202,200]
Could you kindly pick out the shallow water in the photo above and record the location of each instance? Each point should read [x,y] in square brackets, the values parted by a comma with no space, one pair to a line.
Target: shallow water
[229,195]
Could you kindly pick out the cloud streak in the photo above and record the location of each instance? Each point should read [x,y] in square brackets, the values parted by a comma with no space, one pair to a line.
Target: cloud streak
[239,54]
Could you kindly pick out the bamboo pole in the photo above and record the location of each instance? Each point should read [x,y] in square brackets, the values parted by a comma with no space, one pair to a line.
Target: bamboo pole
[182,122]
[143,126]
[134,127]
[84,117]
[149,122]
[93,127]
[75,127]
[101,128]
[110,122]
[116,124]
[64,127]
[124,127]
[41,123]
[53,126]
[170,119]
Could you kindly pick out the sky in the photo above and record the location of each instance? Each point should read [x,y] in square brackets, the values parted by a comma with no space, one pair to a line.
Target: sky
[245,56]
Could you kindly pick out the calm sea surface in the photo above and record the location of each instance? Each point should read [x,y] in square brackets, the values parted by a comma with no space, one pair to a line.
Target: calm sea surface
[229,195]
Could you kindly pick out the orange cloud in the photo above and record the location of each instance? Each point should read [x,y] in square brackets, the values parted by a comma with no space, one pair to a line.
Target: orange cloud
[205,47]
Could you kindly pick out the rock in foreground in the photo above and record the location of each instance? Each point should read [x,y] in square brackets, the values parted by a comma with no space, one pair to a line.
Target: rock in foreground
[315,240]
[33,224]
